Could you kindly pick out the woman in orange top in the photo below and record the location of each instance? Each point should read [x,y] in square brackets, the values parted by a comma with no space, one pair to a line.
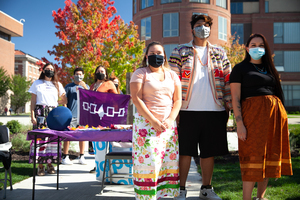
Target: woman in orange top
[102,84]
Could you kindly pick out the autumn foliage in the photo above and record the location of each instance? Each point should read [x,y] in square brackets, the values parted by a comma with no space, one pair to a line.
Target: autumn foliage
[91,35]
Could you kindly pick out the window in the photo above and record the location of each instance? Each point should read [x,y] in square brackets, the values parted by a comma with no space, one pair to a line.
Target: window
[200,1]
[5,36]
[169,1]
[222,26]
[146,3]
[266,6]
[238,31]
[16,67]
[287,32]
[134,6]
[169,48]
[236,8]
[287,61]
[170,25]
[194,13]
[291,95]
[146,28]
[222,3]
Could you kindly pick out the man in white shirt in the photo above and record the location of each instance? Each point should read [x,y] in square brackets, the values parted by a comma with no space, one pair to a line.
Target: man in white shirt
[204,72]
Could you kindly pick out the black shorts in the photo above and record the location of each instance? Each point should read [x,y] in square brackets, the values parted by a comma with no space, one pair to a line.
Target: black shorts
[203,129]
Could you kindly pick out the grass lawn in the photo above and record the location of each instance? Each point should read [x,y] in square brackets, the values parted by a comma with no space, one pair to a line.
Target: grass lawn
[20,170]
[227,183]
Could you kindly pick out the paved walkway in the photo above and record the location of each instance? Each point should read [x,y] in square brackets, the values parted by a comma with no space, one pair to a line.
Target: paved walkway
[76,183]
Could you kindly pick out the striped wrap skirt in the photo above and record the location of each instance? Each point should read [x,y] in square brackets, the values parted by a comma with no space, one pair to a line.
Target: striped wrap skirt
[155,161]
[266,151]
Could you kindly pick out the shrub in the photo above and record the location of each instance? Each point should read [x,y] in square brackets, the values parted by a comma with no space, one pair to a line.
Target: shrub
[295,138]
[19,142]
[297,112]
[14,126]
[1,123]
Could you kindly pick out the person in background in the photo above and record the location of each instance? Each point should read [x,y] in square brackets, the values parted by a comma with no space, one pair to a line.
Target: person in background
[102,84]
[71,94]
[10,110]
[116,82]
[204,71]
[46,93]
[156,93]
[5,111]
[262,125]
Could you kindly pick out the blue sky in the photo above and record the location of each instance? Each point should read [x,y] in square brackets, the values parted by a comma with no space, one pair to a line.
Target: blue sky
[39,28]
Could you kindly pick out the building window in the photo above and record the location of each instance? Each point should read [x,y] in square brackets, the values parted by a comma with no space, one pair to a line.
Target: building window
[169,1]
[222,26]
[266,6]
[200,1]
[134,6]
[196,13]
[287,32]
[146,28]
[222,3]
[291,95]
[146,3]
[238,31]
[169,48]
[16,67]
[5,36]
[236,8]
[170,25]
[287,61]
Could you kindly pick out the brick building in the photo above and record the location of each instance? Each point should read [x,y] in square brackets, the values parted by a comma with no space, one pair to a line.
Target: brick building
[279,22]
[167,21]
[9,27]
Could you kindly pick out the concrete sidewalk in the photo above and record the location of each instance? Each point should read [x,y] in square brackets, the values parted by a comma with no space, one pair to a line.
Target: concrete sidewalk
[76,183]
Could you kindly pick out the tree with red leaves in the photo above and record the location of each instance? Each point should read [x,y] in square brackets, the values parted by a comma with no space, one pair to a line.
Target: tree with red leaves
[91,35]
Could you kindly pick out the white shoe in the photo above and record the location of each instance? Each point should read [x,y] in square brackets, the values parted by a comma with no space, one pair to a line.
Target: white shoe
[82,160]
[66,161]
[182,195]
[208,194]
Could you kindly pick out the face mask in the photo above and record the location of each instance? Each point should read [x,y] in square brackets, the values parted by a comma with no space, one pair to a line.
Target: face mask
[49,73]
[100,76]
[78,78]
[202,31]
[117,85]
[156,60]
[256,53]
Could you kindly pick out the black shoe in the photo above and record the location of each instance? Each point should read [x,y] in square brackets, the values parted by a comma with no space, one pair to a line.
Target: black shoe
[93,170]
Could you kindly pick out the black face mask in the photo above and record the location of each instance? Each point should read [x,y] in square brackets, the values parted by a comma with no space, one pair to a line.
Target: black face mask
[155,60]
[117,85]
[49,73]
[100,76]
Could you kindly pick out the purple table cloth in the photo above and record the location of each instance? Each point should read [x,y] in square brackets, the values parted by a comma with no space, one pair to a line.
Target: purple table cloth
[113,135]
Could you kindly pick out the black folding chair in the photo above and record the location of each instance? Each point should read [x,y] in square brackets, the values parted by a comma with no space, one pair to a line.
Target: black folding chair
[5,156]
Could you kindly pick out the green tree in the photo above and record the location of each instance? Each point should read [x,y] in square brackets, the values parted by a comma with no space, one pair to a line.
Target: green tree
[19,86]
[4,81]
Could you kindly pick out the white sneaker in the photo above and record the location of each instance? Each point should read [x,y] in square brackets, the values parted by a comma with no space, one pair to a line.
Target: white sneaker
[66,161]
[182,195]
[82,160]
[208,194]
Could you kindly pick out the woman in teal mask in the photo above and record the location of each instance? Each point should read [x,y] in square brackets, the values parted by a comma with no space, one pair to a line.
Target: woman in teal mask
[262,125]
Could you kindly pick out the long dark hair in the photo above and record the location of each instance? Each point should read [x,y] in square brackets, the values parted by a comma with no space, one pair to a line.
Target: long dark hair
[54,78]
[268,62]
[144,62]
[106,75]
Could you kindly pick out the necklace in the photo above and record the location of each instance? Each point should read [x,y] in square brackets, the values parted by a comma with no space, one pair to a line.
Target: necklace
[260,70]
[200,59]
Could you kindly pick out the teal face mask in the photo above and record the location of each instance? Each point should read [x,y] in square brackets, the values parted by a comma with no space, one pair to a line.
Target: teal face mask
[257,53]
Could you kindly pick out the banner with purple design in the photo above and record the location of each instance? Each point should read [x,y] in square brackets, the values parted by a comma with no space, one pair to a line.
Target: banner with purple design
[98,108]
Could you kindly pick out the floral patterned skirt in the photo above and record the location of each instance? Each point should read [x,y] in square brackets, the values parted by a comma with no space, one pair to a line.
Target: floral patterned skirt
[47,153]
[155,161]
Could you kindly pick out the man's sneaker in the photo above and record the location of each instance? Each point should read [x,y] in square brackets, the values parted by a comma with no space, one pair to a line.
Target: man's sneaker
[66,161]
[182,195]
[256,198]
[82,160]
[208,194]
[93,170]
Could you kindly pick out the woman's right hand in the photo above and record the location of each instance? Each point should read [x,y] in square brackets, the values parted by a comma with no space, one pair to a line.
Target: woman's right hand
[242,132]
[33,120]
[157,125]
